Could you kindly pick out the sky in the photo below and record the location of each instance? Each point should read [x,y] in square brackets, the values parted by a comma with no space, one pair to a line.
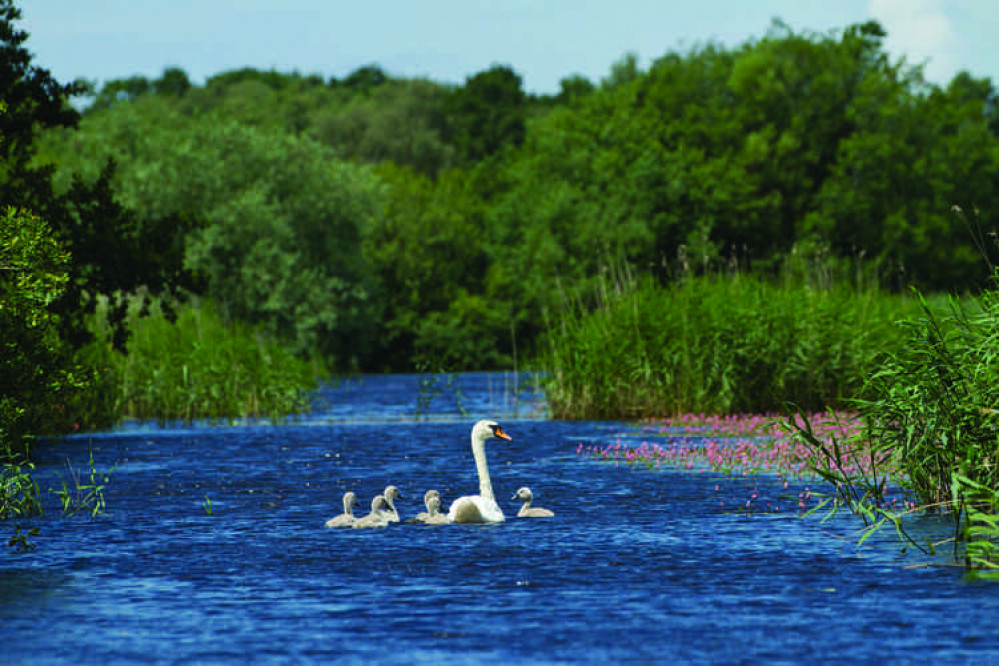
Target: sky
[448,40]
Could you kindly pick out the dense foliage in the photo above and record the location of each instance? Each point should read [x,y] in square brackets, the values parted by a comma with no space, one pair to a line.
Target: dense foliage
[36,376]
[376,223]
[719,345]
[63,251]
[276,237]
[928,417]
[198,367]
[487,204]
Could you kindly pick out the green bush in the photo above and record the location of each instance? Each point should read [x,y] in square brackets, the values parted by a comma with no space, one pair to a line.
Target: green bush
[37,377]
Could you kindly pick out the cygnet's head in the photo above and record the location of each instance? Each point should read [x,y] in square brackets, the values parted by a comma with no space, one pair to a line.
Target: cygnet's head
[391,493]
[523,494]
[349,500]
[433,505]
[428,495]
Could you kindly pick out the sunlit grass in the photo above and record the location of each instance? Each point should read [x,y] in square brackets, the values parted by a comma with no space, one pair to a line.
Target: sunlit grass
[200,367]
[719,345]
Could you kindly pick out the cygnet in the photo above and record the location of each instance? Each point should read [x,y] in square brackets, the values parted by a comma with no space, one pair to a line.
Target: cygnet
[526,496]
[347,518]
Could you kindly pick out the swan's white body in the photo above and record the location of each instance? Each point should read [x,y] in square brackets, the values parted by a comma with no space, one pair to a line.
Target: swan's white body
[391,494]
[481,508]
[377,516]
[347,518]
[434,516]
[526,496]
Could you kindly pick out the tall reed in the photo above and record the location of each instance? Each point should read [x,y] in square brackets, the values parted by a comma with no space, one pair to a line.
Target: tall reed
[199,367]
[930,416]
[717,344]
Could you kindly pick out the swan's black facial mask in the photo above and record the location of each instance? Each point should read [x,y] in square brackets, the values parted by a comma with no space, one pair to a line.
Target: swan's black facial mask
[498,432]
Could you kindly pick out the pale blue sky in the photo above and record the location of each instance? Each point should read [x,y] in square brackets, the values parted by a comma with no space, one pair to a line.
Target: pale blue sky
[447,40]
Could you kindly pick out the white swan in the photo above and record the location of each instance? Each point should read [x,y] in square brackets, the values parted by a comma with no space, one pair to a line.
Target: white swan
[434,517]
[391,494]
[481,508]
[347,518]
[377,516]
[421,516]
[526,496]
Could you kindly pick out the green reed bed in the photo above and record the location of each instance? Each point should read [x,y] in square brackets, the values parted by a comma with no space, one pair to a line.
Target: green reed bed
[199,367]
[924,438]
[932,412]
[720,346]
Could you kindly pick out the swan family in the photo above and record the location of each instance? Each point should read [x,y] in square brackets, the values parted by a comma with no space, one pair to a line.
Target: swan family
[481,508]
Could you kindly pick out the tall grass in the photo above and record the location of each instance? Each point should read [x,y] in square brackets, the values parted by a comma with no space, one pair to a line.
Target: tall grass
[930,416]
[934,404]
[934,415]
[197,367]
[718,344]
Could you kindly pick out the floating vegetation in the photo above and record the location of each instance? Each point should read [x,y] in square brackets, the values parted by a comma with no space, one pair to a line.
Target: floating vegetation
[740,443]
[747,444]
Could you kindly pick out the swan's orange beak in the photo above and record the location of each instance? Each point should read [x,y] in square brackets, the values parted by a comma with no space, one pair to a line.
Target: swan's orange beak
[502,435]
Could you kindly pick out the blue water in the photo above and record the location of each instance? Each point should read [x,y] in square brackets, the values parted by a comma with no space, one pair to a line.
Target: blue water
[637,566]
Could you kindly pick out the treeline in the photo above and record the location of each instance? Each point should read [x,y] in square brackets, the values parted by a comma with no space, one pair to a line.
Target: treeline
[389,224]
[378,223]
[77,272]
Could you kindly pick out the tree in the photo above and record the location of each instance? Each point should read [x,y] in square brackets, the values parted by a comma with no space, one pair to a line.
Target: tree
[34,101]
[273,221]
[430,260]
[117,91]
[573,88]
[111,253]
[37,378]
[623,71]
[365,79]
[488,113]
[173,82]
[400,121]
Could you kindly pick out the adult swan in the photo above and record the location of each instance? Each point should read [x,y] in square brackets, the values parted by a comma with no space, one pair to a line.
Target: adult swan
[481,508]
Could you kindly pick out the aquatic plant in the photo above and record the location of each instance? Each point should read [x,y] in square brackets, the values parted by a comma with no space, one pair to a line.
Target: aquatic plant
[19,541]
[748,444]
[200,367]
[435,382]
[19,498]
[82,496]
[734,443]
[933,410]
[929,426]
[717,345]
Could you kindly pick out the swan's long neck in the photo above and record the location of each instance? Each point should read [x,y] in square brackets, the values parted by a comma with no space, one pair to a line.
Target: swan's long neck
[479,451]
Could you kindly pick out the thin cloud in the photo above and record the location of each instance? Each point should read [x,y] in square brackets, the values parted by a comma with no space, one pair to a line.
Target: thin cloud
[922,32]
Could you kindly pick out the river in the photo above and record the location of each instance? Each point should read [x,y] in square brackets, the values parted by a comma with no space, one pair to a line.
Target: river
[212,549]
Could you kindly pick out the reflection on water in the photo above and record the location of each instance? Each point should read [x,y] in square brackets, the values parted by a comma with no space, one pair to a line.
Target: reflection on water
[635,566]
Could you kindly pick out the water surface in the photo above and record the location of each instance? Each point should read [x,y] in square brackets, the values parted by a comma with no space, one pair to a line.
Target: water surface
[637,566]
